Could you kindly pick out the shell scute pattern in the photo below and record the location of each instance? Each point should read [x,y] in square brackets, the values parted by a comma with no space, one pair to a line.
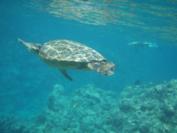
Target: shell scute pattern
[65,50]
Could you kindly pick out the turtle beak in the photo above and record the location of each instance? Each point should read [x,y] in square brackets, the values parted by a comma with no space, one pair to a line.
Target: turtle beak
[111,70]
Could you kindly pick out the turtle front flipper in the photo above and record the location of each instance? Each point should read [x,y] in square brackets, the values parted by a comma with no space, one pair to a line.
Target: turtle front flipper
[64,72]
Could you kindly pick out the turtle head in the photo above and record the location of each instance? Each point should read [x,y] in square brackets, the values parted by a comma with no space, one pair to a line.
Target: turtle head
[104,67]
[32,47]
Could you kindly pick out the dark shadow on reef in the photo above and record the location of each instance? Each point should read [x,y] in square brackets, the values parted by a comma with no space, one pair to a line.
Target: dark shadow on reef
[10,125]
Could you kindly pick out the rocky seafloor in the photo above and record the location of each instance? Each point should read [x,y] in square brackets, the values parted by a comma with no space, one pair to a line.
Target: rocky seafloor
[137,109]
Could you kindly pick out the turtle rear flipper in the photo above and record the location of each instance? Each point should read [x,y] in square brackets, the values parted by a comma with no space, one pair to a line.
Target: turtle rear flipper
[64,72]
[33,47]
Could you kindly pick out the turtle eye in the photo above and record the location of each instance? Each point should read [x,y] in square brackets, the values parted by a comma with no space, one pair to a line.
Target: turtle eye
[97,65]
[104,60]
[112,68]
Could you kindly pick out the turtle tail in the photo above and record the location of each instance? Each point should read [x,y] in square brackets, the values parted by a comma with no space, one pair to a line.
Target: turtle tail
[31,46]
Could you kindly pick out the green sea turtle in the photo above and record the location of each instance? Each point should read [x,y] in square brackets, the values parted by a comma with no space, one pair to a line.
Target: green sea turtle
[67,54]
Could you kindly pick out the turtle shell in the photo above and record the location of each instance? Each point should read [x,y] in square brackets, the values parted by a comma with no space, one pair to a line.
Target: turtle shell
[69,51]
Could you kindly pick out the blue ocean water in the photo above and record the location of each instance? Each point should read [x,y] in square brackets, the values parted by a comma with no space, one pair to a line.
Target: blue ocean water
[26,81]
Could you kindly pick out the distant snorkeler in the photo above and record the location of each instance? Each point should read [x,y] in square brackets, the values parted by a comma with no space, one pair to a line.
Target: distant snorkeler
[143,44]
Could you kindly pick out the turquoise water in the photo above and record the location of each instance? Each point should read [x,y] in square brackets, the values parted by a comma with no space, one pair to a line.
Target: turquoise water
[26,81]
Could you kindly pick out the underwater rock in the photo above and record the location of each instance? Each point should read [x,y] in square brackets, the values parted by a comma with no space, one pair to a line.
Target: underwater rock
[57,99]
[125,106]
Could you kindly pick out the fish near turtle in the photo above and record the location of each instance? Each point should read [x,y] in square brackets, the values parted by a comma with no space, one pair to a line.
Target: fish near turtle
[67,54]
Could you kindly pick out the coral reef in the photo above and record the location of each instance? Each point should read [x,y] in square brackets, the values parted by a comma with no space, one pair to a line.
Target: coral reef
[148,109]
[86,110]
[139,109]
